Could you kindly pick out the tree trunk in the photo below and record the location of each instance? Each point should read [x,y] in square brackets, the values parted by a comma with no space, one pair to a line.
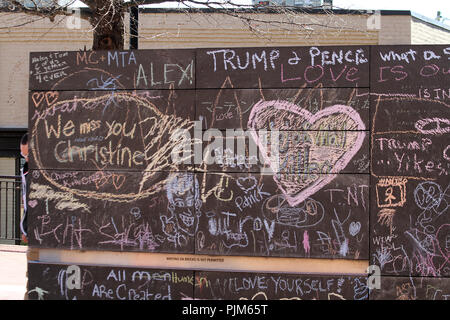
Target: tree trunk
[107,21]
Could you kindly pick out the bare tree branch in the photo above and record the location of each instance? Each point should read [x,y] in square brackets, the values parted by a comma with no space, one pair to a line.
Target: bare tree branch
[108,24]
[46,9]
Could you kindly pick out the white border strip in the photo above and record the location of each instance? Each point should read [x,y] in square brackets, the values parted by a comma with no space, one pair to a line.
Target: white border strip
[204,262]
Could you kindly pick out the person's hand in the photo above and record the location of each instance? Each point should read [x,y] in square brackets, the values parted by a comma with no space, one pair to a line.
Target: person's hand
[24,239]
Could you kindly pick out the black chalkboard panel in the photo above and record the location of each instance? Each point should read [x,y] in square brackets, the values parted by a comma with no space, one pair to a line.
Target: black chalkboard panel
[85,282]
[82,282]
[248,215]
[288,109]
[288,152]
[266,286]
[409,288]
[409,226]
[410,155]
[111,210]
[409,161]
[110,130]
[112,70]
[319,216]
[410,70]
[410,137]
[428,117]
[115,161]
[284,67]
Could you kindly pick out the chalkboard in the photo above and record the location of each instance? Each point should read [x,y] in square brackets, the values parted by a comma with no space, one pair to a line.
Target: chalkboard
[104,174]
[288,67]
[410,70]
[108,130]
[298,152]
[112,70]
[410,166]
[231,108]
[412,288]
[86,282]
[109,210]
[308,152]
[266,286]
[103,210]
[251,218]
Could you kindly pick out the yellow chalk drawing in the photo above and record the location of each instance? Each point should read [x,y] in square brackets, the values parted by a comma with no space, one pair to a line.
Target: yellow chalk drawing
[64,200]
[335,296]
[406,101]
[391,192]
[386,217]
[218,190]
[152,128]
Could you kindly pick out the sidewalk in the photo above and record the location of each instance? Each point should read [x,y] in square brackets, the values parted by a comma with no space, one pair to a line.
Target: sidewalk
[13,267]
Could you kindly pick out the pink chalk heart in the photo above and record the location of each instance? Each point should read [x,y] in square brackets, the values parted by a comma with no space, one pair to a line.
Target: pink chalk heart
[305,151]
[32,203]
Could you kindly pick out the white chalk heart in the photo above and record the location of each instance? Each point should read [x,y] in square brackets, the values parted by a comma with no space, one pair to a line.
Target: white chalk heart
[328,139]
[246,183]
[354,228]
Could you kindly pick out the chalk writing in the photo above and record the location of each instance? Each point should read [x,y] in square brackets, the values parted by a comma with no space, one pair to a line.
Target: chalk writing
[309,152]
[409,162]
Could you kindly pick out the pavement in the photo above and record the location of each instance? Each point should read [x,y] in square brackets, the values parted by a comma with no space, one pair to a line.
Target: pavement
[13,268]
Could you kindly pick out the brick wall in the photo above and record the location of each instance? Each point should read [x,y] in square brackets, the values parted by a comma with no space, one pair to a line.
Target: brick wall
[176,30]
[424,33]
[15,45]
[395,30]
